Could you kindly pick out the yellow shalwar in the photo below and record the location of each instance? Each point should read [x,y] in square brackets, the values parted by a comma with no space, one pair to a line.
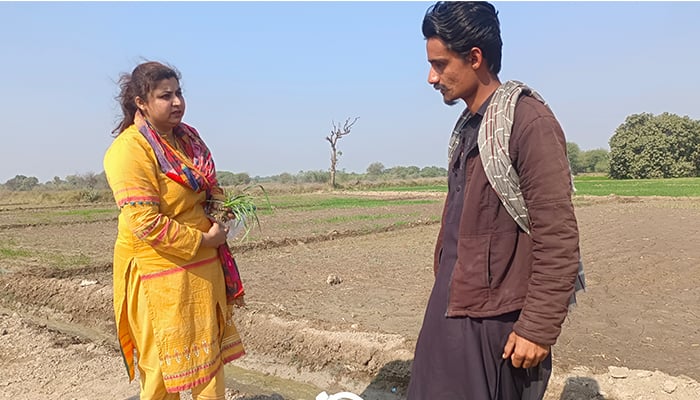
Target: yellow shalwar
[169,294]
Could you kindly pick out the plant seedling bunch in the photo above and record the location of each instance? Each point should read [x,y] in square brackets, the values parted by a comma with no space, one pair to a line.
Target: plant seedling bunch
[238,207]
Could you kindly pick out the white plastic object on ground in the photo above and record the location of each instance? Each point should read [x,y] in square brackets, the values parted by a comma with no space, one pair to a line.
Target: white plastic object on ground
[338,396]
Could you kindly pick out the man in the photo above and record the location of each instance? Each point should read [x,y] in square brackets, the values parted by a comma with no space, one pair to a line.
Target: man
[501,292]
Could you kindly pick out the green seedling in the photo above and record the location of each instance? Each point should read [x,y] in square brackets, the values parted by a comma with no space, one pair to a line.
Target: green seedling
[238,210]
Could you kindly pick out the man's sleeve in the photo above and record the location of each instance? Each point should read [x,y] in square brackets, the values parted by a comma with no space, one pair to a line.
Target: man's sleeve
[545,182]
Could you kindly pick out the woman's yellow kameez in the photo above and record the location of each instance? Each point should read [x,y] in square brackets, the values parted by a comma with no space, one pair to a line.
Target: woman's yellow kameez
[162,275]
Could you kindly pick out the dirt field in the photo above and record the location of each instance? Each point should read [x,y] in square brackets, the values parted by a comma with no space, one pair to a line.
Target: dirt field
[634,335]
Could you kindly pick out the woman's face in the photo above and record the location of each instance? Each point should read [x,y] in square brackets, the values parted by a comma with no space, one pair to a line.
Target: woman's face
[164,106]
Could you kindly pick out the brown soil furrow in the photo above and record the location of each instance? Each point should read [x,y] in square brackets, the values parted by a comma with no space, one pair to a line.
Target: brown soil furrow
[56,223]
[267,244]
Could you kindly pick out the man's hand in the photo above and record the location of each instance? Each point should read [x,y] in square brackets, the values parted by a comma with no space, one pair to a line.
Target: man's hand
[524,353]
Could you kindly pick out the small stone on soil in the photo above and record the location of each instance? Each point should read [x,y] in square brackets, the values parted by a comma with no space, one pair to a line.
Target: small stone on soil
[618,372]
[669,386]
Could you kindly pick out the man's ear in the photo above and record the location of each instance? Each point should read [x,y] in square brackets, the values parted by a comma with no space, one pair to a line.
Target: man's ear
[475,58]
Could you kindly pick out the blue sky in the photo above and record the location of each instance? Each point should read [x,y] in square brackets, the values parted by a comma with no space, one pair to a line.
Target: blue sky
[265,80]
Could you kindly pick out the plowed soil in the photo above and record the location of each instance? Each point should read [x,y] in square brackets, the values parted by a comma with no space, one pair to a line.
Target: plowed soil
[336,298]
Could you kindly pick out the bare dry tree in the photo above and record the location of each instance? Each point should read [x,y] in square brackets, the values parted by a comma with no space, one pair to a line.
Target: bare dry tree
[338,132]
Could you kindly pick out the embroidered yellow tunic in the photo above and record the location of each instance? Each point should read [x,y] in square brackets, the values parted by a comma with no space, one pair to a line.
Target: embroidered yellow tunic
[158,252]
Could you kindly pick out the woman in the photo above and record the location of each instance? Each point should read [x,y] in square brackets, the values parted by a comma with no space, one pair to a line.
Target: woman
[172,298]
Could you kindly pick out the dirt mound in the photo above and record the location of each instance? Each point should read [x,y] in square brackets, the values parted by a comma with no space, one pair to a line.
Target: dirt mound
[326,358]
[81,306]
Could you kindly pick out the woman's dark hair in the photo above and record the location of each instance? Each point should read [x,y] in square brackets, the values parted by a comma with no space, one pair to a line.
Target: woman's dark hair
[463,25]
[139,83]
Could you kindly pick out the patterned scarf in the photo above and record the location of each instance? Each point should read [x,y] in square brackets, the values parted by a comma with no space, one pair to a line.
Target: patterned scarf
[494,141]
[197,172]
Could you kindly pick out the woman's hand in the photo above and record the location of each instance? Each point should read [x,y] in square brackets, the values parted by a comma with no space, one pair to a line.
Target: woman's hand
[215,237]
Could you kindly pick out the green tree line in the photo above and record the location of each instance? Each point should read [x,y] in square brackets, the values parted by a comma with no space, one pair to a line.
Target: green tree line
[88,180]
[587,161]
[644,146]
[376,172]
[95,182]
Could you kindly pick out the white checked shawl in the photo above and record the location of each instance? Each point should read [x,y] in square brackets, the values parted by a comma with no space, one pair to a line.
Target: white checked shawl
[494,140]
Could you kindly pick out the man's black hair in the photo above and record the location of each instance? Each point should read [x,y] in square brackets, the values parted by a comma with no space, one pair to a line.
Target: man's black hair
[464,25]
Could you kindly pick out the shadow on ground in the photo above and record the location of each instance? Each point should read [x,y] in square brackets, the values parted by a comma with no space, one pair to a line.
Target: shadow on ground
[391,382]
[581,388]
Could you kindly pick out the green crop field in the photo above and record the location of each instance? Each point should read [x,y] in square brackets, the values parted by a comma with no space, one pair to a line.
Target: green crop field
[603,186]
[321,202]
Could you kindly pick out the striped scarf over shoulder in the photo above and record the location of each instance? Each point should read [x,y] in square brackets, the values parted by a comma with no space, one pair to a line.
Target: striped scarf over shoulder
[494,143]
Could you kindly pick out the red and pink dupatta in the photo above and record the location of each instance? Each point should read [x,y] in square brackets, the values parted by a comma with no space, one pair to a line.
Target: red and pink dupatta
[197,173]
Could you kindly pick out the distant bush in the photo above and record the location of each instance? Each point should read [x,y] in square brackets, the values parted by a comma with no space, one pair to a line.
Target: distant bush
[88,196]
[227,178]
[21,183]
[662,146]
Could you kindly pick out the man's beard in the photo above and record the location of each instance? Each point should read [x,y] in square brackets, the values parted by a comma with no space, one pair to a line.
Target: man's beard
[439,88]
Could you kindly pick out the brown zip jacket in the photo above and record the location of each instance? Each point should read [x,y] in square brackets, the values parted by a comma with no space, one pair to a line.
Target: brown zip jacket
[500,268]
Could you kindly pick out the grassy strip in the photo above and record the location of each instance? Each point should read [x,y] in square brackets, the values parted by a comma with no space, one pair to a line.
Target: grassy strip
[603,186]
[359,217]
[61,261]
[310,203]
[64,261]
[88,212]
[9,250]
[8,253]
[75,215]
[420,188]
